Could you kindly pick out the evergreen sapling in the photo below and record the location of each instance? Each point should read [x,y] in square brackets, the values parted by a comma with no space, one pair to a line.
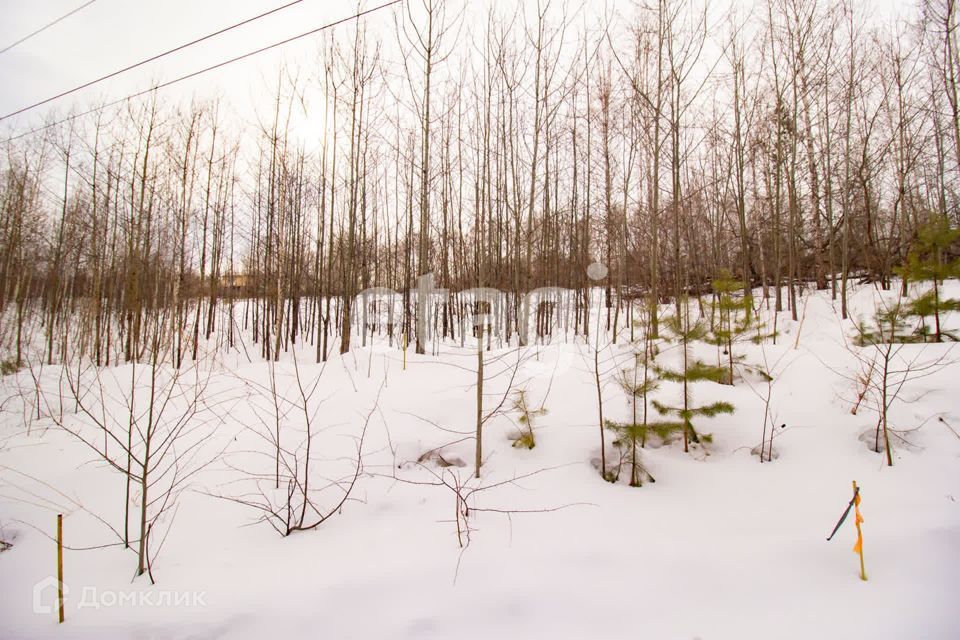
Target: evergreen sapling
[692,371]
[526,418]
[632,435]
[929,260]
[733,321]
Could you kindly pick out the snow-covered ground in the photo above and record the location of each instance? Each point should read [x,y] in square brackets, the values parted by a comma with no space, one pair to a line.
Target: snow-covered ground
[721,546]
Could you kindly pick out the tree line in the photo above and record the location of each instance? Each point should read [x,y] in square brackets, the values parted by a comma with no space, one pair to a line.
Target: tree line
[800,143]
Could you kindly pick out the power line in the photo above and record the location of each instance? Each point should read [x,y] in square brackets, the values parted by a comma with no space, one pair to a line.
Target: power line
[194,74]
[150,59]
[46,26]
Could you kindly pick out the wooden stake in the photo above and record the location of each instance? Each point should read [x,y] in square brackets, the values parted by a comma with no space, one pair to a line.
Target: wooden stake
[404,350]
[60,564]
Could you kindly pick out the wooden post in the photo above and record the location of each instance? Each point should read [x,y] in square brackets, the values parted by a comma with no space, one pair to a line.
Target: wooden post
[60,565]
[404,350]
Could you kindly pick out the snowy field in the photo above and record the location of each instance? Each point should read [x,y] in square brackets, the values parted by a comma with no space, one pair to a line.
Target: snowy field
[720,547]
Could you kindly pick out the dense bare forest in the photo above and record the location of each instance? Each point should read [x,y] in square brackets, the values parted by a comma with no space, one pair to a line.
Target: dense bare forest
[793,144]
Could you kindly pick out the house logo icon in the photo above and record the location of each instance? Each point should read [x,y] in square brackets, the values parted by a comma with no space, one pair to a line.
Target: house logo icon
[45,595]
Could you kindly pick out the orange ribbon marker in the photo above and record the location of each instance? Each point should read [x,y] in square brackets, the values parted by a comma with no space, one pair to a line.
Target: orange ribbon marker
[858,519]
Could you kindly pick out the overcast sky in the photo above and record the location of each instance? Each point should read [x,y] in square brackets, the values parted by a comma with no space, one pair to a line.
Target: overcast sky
[110,34]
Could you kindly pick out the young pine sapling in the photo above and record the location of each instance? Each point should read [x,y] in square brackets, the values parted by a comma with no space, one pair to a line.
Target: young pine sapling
[928,260]
[692,371]
[733,321]
[632,435]
[526,416]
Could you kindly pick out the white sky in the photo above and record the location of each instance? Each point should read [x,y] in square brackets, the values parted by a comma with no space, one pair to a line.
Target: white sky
[111,34]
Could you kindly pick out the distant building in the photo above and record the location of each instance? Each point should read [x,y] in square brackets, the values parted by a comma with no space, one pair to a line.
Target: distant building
[236,284]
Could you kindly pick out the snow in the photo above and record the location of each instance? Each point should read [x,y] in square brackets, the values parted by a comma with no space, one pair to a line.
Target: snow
[721,546]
